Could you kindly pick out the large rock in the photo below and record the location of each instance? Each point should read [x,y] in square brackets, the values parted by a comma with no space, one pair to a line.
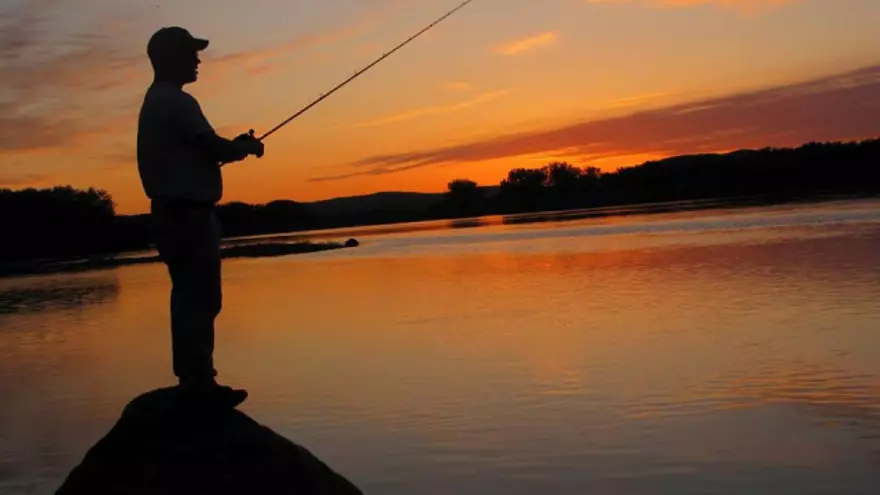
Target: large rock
[157,447]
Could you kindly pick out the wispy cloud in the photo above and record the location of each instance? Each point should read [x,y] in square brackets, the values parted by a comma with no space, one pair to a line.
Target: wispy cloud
[843,106]
[746,6]
[61,89]
[10,181]
[263,60]
[49,80]
[632,101]
[436,110]
[457,86]
[528,44]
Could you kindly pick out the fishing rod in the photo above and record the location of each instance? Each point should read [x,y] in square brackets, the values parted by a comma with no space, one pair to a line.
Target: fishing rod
[365,69]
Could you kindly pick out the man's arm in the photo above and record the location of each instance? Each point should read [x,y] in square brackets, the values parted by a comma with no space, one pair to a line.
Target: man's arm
[226,151]
[194,125]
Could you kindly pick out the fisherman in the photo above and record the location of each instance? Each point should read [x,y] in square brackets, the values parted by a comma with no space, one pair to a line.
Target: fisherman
[179,162]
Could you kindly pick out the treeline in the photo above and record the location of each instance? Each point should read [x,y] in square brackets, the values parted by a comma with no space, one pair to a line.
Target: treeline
[774,174]
[64,222]
[242,219]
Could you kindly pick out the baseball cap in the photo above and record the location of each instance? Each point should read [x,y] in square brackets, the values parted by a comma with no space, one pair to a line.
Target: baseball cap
[173,40]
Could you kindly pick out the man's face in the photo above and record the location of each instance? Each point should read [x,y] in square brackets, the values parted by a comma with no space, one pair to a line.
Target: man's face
[189,66]
[183,67]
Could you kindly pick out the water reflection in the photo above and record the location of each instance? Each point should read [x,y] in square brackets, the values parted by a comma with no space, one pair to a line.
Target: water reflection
[833,396]
[660,361]
[622,211]
[36,294]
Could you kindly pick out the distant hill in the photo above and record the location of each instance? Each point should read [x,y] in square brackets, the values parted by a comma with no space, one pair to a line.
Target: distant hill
[370,202]
[389,200]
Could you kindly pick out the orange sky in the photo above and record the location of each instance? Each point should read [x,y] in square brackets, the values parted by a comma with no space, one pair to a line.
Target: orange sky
[501,84]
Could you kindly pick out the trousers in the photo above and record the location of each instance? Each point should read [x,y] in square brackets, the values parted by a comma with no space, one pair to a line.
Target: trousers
[187,237]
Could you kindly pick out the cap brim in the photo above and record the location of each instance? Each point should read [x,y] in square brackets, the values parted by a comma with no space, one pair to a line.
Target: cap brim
[200,44]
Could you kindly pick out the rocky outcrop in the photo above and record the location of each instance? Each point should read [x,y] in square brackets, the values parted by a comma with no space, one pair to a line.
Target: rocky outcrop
[159,447]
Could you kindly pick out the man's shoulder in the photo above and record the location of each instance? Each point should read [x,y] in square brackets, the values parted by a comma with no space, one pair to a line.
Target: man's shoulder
[165,89]
[160,93]
[168,108]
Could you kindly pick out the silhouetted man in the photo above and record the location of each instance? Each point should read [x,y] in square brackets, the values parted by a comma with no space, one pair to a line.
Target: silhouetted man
[179,161]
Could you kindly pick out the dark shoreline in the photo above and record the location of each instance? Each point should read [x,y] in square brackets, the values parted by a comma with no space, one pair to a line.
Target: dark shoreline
[245,248]
[256,250]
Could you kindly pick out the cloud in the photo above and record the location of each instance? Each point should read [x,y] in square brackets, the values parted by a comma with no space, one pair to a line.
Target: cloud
[49,79]
[523,45]
[436,110]
[837,107]
[457,86]
[10,181]
[636,100]
[263,60]
[61,89]
[746,6]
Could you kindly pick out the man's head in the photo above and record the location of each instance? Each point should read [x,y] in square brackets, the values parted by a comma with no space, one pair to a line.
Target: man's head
[174,54]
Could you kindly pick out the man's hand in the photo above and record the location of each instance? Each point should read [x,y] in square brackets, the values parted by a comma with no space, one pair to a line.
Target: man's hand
[250,144]
[225,151]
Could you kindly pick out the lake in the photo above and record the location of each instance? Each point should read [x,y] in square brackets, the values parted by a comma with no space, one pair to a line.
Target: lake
[726,351]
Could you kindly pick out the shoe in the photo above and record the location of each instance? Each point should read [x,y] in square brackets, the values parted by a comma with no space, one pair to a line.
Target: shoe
[211,395]
[227,397]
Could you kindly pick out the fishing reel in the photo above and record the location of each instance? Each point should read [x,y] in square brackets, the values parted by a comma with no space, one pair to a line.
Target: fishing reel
[250,136]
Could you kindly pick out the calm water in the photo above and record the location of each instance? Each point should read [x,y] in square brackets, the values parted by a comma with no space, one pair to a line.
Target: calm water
[696,352]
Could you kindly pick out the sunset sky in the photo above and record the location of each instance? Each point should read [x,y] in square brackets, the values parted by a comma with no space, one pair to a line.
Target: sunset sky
[502,84]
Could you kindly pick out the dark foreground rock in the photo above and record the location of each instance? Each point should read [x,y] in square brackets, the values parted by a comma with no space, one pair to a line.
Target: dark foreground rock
[157,447]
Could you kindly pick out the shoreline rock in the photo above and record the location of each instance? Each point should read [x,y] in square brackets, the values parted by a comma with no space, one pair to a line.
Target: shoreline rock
[158,447]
